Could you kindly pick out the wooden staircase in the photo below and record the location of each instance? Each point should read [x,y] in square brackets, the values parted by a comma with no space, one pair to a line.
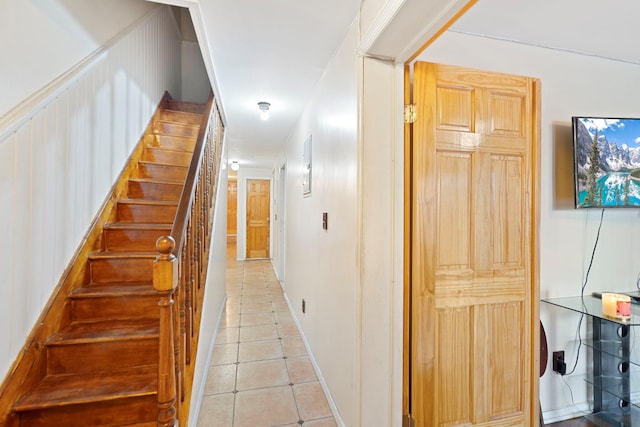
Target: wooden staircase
[100,367]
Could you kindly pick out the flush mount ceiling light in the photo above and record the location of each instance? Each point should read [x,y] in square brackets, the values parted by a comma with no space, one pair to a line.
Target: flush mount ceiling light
[235,166]
[264,110]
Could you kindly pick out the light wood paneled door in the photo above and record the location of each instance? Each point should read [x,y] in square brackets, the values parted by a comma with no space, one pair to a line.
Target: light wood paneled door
[473,242]
[232,207]
[258,202]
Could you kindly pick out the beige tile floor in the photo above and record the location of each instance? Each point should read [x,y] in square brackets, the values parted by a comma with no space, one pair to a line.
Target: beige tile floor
[260,373]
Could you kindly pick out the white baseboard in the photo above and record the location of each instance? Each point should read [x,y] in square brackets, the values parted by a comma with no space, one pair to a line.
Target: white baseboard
[199,395]
[316,368]
[566,413]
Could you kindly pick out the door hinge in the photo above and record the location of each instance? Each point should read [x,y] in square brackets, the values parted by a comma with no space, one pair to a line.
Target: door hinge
[410,113]
[408,421]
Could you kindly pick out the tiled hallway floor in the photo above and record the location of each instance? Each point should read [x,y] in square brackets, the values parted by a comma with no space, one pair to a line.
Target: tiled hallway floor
[260,373]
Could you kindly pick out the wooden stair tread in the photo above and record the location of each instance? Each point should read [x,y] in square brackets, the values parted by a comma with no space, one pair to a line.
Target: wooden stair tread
[178,123]
[72,389]
[160,164]
[128,225]
[109,330]
[123,254]
[148,202]
[184,118]
[173,129]
[150,424]
[150,162]
[181,112]
[167,149]
[184,106]
[188,139]
[101,290]
[156,181]
[180,118]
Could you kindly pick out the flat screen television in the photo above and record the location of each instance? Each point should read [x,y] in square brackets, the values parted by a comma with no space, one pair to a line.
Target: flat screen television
[606,155]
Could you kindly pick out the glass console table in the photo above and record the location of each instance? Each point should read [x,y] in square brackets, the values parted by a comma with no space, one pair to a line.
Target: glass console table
[613,364]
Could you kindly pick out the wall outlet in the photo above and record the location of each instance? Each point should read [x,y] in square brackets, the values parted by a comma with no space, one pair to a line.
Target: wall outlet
[559,364]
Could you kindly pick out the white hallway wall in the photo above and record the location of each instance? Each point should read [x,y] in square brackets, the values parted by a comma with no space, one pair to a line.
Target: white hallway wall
[571,85]
[351,274]
[195,82]
[322,266]
[61,154]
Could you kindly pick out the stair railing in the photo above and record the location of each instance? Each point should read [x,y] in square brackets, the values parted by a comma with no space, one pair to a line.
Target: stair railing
[180,270]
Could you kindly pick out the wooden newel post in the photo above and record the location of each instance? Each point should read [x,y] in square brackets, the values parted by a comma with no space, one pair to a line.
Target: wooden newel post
[165,281]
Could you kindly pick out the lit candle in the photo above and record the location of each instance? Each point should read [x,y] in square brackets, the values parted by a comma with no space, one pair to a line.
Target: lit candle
[616,306]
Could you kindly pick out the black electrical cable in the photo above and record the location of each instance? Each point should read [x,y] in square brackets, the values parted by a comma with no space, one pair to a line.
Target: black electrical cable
[584,285]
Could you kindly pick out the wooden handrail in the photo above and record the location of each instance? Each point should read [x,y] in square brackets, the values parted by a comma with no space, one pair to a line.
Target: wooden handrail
[188,192]
[181,271]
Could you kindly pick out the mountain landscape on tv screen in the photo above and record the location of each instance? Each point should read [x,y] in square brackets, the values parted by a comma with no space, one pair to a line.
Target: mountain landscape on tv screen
[615,181]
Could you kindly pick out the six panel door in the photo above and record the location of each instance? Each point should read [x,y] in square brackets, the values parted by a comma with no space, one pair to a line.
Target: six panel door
[258,201]
[473,290]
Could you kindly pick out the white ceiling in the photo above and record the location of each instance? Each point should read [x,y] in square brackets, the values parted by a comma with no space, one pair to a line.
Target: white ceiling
[607,29]
[276,51]
[273,51]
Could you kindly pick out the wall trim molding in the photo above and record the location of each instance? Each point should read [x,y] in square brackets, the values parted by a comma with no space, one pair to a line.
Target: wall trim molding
[403,28]
[380,24]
